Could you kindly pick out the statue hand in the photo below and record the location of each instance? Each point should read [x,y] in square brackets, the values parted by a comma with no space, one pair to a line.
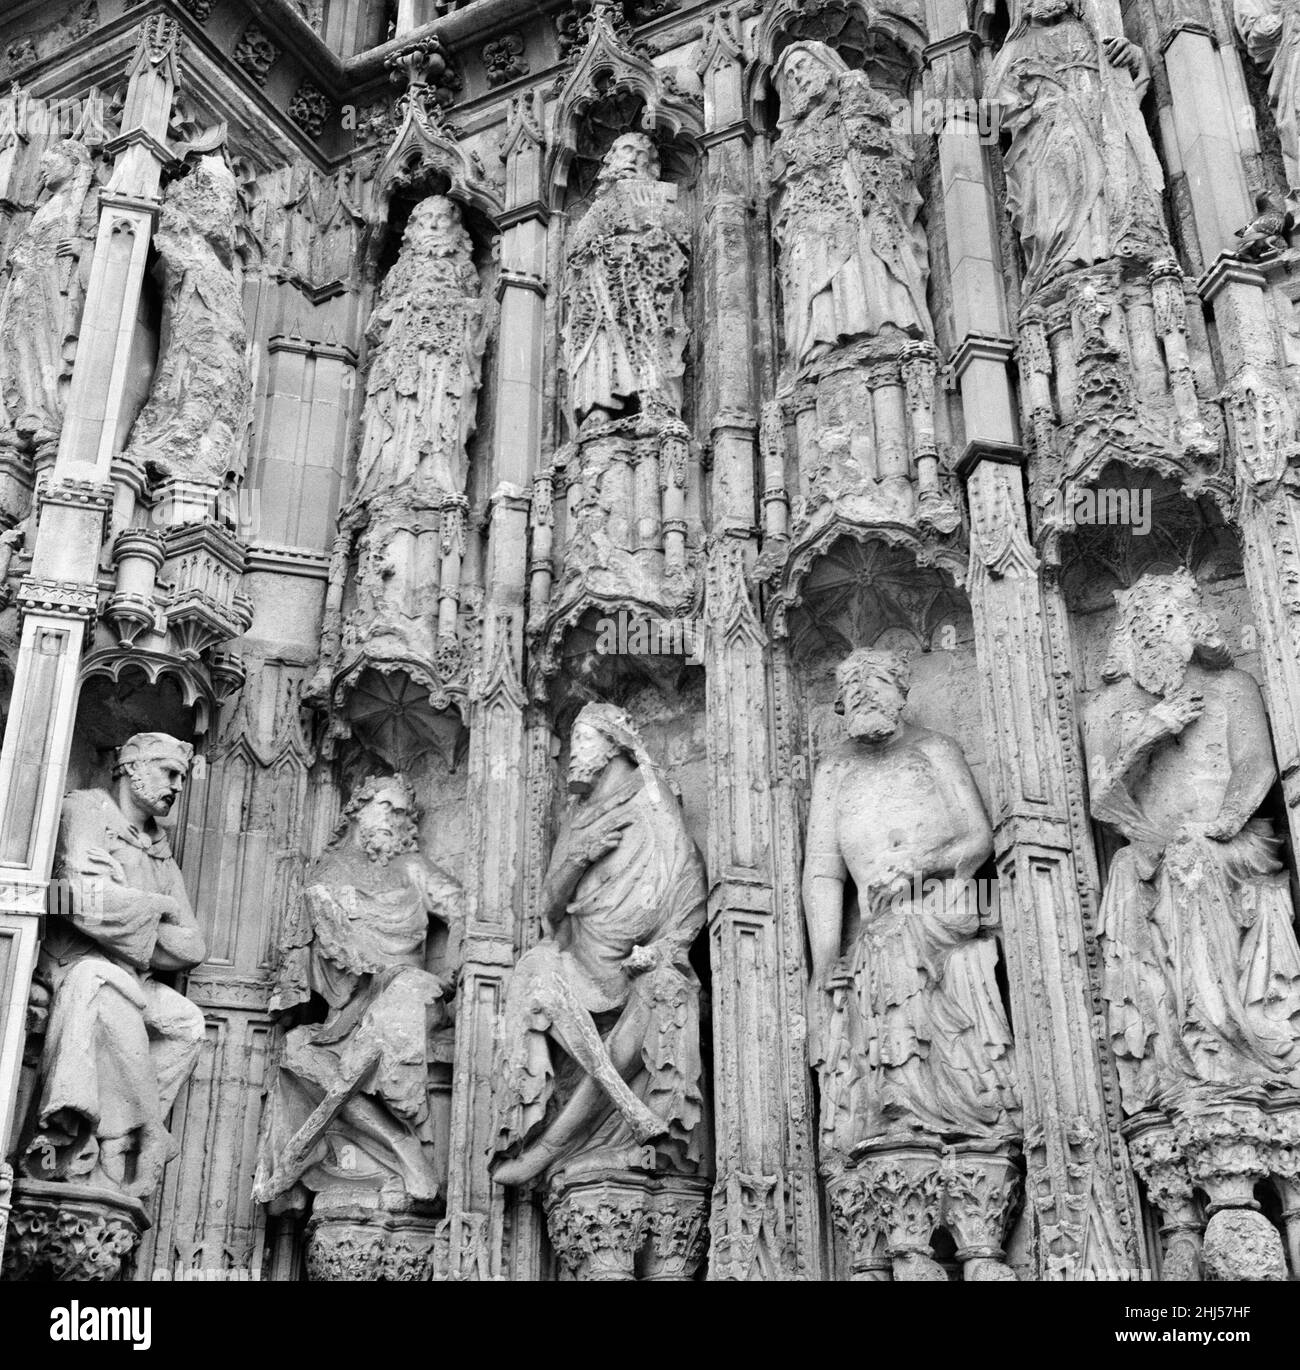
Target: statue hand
[100,861]
[641,960]
[1177,710]
[1124,55]
[601,840]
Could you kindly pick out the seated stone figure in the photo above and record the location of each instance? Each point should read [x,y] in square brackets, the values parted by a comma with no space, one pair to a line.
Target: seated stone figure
[1201,966]
[600,1033]
[921,1048]
[349,1110]
[118,1044]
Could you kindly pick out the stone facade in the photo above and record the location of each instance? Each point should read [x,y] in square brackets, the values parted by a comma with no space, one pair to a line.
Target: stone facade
[650,641]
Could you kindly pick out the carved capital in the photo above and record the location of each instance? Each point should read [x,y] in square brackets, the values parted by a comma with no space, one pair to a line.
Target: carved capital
[598,1229]
[70,1232]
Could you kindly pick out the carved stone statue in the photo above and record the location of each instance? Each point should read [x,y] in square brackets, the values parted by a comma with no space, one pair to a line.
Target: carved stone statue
[1083,182]
[349,1110]
[600,1033]
[119,1043]
[44,287]
[906,1022]
[627,263]
[194,424]
[1271,32]
[428,333]
[853,253]
[1201,966]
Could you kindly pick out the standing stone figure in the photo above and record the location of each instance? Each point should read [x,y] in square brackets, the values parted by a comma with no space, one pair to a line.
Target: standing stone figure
[428,333]
[1201,966]
[1083,182]
[853,253]
[906,1022]
[119,1044]
[43,290]
[195,422]
[600,1043]
[1271,31]
[627,263]
[349,1108]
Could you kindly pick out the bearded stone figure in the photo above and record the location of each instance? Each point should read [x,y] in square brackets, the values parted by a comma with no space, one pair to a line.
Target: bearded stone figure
[906,1023]
[1271,31]
[600,1050]
[119,1043]
[43,290]
[1201,966]
[627,262]
[853,253]
[348,1115]
[194,425]
[428,333]
[1083,182]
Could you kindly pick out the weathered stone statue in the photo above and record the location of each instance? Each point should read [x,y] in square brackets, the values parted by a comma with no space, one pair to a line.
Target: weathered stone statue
[906,1022]
[1202,970]
[119,1043]
[1271,31]
[627,263]
[349,1111]
[600,1033]
[427,332]
[43,289]
[853,253]
[194,424]
[1083,182]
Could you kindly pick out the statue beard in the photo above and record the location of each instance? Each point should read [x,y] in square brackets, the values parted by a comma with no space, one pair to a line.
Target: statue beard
[380,844]
[805,96]
[873,724]
[155,800]
[1159,669]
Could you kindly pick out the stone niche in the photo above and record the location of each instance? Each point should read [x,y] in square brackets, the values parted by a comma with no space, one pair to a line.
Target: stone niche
[1165,640]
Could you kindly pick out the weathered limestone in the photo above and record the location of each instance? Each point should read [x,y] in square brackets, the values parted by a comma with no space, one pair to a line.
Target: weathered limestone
[1202,969]
[623,900]
[349,1118]
[118,1044]
[590,402]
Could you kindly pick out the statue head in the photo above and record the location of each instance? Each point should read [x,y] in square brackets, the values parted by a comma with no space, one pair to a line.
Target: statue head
[631,157]
[205,201]
[60,164]
[383,816]
[154,767]
[1027,12]
[436,227]
[1162,626]
[600,733]
[873,688]
[804,75]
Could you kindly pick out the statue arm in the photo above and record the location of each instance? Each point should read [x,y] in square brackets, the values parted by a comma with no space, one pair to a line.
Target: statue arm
[180,942]
[824,873]
[971,842]
[1260,24]
[1111,761]
[103,907]
[1250,753]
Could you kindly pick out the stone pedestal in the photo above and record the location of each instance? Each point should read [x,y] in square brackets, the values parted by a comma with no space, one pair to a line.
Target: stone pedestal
[891,1201]
[70,1232]
[1159,1161]
[353,1241]
[619,1225]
